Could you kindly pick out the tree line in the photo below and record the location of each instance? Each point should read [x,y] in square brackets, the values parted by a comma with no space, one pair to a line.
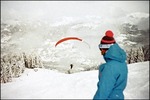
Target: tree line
[14,64]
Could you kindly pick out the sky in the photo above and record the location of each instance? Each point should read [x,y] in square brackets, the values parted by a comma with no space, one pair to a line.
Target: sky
[57,9]
[48,84]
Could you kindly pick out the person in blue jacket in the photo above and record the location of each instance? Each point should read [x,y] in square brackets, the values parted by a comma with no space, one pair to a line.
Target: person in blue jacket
[112,74]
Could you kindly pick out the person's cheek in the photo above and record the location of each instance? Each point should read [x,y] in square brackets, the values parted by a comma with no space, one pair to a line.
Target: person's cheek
[102,52]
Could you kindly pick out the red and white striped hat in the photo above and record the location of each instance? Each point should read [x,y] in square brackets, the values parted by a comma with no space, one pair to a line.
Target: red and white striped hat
[108,39]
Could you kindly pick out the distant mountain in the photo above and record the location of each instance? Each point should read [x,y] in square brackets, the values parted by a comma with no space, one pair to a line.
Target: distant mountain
[136,28]
[40,37]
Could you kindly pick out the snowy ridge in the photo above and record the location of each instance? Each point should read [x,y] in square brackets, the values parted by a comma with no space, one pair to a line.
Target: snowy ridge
[136,19]
[47,84]
[40,37]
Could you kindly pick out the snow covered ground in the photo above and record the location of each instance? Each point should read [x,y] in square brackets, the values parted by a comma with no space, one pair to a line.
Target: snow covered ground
[48,84]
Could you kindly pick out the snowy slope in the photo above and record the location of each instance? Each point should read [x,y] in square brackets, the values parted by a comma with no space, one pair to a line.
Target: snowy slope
[47,84]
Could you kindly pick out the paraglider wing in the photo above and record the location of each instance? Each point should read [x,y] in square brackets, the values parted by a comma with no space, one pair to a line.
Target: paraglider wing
[67,38]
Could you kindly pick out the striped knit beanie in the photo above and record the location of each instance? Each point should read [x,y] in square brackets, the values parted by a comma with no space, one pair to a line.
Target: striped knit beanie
[107,40]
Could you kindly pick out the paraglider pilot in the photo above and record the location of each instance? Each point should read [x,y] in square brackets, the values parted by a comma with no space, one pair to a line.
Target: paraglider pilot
[71,66]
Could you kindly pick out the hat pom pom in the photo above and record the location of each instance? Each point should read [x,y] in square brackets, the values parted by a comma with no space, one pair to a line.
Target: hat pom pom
[109,33]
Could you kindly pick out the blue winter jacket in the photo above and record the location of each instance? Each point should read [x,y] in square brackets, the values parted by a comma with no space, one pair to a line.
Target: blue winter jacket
[112,75]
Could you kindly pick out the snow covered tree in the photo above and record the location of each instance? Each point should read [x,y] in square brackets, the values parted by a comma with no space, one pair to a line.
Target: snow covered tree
[146,52]
[14,64]
[135,55]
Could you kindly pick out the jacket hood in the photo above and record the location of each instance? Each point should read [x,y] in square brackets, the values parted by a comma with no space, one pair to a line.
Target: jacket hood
[115,53]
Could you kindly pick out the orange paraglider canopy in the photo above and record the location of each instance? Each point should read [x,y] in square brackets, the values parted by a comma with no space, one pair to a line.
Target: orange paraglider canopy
[67,38]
